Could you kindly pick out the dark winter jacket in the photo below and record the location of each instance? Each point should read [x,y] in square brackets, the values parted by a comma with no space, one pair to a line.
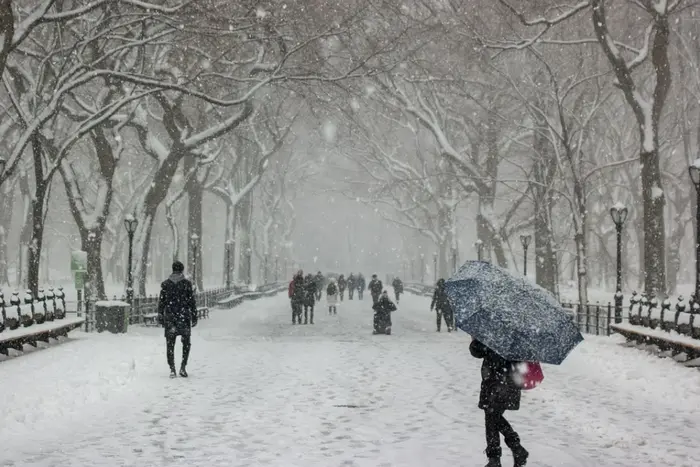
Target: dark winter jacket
[397,285]
[298,290]
[384,305]
[375,286]
[352,282]
[309,291]
[360,282]
[320,280]
[440,301]
[177,309]
[498,390]
[342,283]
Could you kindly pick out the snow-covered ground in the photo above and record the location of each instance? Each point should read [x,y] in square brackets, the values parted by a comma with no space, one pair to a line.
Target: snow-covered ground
[262,392]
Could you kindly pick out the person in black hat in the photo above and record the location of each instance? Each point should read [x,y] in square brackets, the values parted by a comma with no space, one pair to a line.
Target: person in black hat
[177,313]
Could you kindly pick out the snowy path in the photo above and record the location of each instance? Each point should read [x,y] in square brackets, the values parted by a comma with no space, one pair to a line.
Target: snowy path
[264,393]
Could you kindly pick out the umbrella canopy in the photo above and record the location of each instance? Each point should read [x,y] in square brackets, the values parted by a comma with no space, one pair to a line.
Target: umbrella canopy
[515,318]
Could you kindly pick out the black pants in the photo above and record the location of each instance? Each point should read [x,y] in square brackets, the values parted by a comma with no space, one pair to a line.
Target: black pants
[375,298]
[170,349]
[318,295]
[397,295]
[495,425]
[351,292]
[306,314]
[359,294]
[296,312]
[448,315]
[342,293]
[332,310]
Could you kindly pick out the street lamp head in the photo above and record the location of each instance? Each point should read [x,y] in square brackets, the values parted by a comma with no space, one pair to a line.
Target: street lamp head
[694,171]
[525,240]
[130,222]
[619,214]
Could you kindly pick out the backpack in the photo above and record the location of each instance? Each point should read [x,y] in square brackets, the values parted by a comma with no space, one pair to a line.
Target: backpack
[527,375]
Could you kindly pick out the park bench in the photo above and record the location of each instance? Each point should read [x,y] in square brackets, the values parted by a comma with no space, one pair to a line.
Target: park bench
[34,319]
[669,330]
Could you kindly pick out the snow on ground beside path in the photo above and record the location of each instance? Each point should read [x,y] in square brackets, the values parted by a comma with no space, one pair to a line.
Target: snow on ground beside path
[264,392]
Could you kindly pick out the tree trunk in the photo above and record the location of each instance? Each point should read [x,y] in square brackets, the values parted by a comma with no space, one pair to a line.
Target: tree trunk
[41,188]
[7,200]
[246,246]
[654,225]
[91,243]
[195,195]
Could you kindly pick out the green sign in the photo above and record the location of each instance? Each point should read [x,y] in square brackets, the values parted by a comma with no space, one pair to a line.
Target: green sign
[79,279]
[78,261]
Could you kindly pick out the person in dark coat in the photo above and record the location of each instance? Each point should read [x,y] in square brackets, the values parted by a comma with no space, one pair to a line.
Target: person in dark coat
[442,306]
[498,394]
[398,288]
[360,283]
[309,298]
[342,284]
[296,294]
[375,288]
[177,313]
[383,308]
[352,285]
[320,281]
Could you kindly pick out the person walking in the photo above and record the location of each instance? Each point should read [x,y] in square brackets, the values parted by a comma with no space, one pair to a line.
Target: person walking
[332,297]
[296,296]
[342,284]
[397,284]
[320,282]
[375,288]
[352,285]
[360,283]
[309,298]
[499,393]
[177,313]
[442,306]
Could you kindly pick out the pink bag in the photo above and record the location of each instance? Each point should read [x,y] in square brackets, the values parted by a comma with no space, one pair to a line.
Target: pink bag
[528,375]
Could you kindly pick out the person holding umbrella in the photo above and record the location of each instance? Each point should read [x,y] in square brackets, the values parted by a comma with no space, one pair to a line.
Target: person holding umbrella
[515,325]
[499,393]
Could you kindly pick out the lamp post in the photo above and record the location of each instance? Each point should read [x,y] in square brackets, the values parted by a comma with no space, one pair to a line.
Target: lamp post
[479,244]
[619,214]
[422,268]
[229,268]
[435,256]
[195,249]
[454,260]
[525,241]
[130,222]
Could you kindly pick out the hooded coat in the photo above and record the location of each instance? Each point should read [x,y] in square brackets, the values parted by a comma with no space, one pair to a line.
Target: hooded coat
[309,290]
[440,301]
[342,283]
[177,309]
[498,389]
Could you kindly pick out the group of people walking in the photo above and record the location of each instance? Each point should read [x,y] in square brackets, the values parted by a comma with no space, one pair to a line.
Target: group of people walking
[177,313]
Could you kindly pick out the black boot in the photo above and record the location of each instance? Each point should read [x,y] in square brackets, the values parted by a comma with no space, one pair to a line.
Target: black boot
[520,454]
[306,317]
[312,316]
[494,456]
[183,372]
[173,373]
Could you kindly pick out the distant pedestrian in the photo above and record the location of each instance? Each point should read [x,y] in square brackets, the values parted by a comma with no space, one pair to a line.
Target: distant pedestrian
[342,284]
[398,288]
[296,296]
[442,306]
[499,393]
[320,282]
[177,313]
[352,285]
[332,297]
[375,288]
[309,298]
[360,283]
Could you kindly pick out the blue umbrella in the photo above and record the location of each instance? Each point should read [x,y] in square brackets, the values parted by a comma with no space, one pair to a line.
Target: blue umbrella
[515,318]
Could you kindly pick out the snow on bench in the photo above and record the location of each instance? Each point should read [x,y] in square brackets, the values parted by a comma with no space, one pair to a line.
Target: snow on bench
[671,337]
